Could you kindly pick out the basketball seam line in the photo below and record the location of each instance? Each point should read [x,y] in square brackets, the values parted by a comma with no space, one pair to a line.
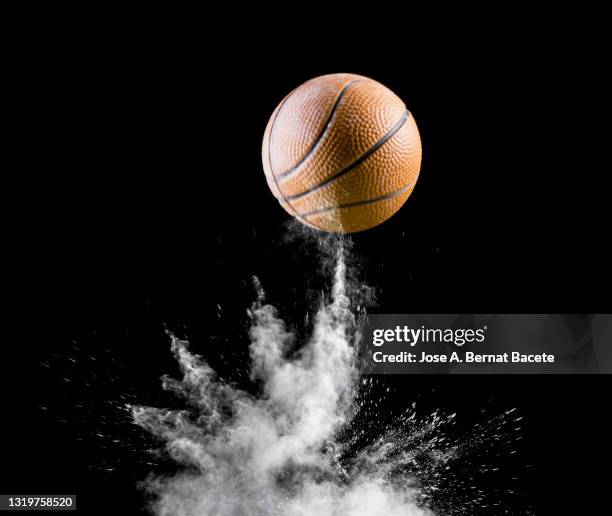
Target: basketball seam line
[319,138]
[358,203]
[355,163]
[296,214]
[270,153]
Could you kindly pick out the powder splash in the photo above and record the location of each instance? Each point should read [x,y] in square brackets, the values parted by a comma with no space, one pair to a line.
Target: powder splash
[295,449]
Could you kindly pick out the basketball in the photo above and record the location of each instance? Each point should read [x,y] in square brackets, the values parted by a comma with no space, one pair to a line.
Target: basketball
[341,153]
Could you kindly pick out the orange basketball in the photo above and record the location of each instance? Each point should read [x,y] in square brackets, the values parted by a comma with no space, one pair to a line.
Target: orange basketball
[341,153]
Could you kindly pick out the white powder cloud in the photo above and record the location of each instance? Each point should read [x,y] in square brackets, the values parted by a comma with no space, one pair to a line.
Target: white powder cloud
[281,453]
[271,455]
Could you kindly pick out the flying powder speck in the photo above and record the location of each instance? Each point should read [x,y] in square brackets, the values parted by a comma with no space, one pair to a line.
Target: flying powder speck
[293,449]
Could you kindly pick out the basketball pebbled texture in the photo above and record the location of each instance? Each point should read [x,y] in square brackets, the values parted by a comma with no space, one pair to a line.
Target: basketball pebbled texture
[341,153]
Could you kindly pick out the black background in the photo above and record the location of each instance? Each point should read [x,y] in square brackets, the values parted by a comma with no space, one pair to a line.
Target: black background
[140,205]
